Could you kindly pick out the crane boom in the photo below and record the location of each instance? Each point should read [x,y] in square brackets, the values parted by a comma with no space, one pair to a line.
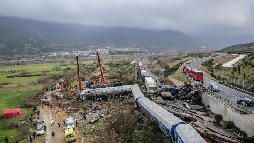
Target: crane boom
[79,78]
[101,68]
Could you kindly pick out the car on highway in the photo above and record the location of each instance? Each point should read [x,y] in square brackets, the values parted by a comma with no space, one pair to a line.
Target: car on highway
[245,102]
[213,87]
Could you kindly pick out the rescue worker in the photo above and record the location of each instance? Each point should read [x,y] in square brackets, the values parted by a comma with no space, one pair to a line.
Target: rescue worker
[42,120]
[6,140]
[44,126]
[31,119]
[52,122]
[59,124]
[38,112]
[34,133]
[53,134]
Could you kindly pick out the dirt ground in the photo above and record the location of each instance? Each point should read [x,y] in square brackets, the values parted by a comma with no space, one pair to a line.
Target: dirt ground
[58,115]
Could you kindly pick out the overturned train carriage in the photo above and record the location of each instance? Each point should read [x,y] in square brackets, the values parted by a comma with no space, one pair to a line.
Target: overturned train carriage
[104,93]
[173,127]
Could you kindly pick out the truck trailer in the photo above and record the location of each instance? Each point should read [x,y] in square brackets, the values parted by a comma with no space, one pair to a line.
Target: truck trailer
[151,85]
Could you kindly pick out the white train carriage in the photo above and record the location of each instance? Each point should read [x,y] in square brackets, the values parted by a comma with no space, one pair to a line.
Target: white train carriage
[187,134]
[176,130]
[136,92]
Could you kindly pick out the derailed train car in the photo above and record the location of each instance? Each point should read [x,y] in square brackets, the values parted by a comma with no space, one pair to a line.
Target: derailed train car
[174,128]
[104,93]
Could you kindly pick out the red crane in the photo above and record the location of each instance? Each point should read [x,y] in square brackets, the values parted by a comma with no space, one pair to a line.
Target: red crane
[79,78]
[101,68]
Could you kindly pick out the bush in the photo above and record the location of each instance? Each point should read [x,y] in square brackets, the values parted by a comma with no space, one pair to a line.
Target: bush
[56,68]
[218,118]
[243,133]
[212,74]
[236,129]
[113,75]
[12,123]
[218,66]
[229,125]
[208,63]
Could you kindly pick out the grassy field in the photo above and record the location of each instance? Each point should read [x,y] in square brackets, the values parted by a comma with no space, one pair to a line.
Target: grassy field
[32,69]
[11,133]
[225,58]
[181,60]
[20,88]
[12,94]
[178,75]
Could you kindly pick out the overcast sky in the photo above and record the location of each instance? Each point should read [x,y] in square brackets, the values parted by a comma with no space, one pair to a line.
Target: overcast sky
[193,17]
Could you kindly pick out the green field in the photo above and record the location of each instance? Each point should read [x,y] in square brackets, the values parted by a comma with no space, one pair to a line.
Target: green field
[32,69]
[178,75]
[20,88]
[11,95]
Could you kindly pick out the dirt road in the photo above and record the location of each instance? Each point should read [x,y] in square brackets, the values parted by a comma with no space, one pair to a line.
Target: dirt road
[58,115]
[48,114]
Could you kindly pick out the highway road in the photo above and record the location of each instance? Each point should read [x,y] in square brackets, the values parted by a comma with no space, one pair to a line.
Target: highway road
[225,92]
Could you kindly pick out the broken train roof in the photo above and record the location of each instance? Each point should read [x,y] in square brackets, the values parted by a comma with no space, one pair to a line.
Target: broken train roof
[105,90]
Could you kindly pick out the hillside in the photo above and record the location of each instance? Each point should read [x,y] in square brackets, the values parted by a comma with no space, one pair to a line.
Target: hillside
[22,36]
[219,42]
[240,48]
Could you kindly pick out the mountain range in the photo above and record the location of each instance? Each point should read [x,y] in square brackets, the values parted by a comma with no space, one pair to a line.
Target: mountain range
[23,36]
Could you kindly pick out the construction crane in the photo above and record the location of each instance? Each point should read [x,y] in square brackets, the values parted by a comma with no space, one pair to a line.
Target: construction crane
[101,68]
[79,78]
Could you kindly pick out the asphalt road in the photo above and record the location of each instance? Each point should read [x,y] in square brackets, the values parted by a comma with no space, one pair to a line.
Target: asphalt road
[225,92]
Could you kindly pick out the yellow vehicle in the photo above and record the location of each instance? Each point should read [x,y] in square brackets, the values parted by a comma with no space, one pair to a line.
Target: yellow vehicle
[69,135]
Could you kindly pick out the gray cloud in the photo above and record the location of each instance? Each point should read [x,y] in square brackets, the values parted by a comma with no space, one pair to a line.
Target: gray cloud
[196,17]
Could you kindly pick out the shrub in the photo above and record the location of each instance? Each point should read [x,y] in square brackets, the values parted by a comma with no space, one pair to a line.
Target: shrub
[243,133]
[218,118]
[230,125]
[56,68]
